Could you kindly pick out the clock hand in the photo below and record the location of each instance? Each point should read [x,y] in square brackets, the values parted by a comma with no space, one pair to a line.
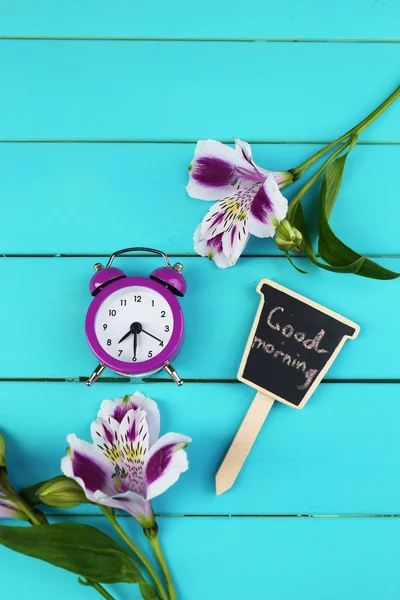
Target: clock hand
[134,328]
[151,335]
[135,334]
[125,336]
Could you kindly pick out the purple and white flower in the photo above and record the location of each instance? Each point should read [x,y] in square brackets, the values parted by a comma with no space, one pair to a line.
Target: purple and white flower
[128,464]
[8,510]
[216,168]
[249,199]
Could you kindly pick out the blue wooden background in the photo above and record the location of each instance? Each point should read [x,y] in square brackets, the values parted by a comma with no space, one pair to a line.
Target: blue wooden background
[101,105]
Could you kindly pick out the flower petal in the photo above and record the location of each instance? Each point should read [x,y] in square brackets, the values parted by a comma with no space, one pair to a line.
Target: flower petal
[211,248]
[104,430]
[86,464]
[132,503]
[282,178]
[234,241]
[8,510]
[11,513]
[118,408]
[267,209]
[215,169]
[244,150]
[229,211]
[105,437]
[134,433]
[165,462]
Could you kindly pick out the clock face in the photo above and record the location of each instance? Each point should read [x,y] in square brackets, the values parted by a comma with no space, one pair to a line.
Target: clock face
[134,324]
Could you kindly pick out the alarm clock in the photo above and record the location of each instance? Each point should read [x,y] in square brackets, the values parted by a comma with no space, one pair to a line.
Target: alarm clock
[134,325]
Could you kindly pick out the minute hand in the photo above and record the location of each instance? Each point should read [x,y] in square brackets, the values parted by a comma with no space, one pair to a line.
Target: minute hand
[151,335]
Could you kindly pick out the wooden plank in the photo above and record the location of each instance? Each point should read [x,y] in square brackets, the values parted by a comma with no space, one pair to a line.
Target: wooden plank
[314,19]
[337,456]
[175,91]
[78,198]
[47,299]
[338,558]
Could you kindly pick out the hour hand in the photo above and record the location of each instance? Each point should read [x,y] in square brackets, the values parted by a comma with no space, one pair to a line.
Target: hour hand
[125,336]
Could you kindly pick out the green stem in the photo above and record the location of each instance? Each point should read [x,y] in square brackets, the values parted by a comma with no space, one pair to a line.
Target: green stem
[102,591]
[99,588]
[36,517]
[314,178]
[355,130]
[155,544]
[138,553]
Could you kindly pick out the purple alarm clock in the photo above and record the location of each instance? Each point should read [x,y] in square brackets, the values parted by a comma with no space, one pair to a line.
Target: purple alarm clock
[134,325]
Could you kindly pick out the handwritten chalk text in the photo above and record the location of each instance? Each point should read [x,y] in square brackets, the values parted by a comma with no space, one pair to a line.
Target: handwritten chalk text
[288,331]
[299,365]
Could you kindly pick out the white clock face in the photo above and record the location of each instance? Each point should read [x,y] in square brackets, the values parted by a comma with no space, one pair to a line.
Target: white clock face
[134,324]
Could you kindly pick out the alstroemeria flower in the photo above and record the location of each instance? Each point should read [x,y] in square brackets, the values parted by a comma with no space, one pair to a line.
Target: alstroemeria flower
[8,510]
[217,168]
[127,465]
[250,200]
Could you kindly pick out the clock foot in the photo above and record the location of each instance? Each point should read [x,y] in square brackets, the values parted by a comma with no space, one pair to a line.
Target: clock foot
[95,375]
[173,374]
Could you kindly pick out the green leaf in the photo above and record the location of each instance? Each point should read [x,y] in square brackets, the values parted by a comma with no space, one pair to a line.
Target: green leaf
[308,249]
[330,247]
[81,549]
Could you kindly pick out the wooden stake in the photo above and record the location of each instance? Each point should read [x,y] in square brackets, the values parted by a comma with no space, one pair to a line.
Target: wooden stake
[243,441]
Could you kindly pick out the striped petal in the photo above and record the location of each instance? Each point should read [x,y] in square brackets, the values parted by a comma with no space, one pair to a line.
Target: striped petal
[134,444]
[229,211]
[234,241]
[117,409]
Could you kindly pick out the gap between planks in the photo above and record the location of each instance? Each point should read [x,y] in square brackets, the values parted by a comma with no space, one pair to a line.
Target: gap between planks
[188,381]
[171,254]
[237,516]
[184,141]
[245,40]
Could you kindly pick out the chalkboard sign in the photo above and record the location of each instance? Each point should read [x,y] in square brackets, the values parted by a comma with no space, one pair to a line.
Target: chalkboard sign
[292,344]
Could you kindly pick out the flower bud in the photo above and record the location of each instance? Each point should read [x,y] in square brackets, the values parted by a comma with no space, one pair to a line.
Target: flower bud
[2,451]
[287,237]
[61,492]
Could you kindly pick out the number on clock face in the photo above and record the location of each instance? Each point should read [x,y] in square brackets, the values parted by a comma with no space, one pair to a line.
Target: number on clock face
[153,320]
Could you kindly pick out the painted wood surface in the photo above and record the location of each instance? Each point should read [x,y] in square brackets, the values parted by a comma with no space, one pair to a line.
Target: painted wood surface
[219,310]
[190,90]
[336,456]
[246,546]
[110,127]
[76,197]
[315,19]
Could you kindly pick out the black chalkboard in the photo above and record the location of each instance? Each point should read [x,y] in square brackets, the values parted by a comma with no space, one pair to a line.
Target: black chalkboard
[292,344]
